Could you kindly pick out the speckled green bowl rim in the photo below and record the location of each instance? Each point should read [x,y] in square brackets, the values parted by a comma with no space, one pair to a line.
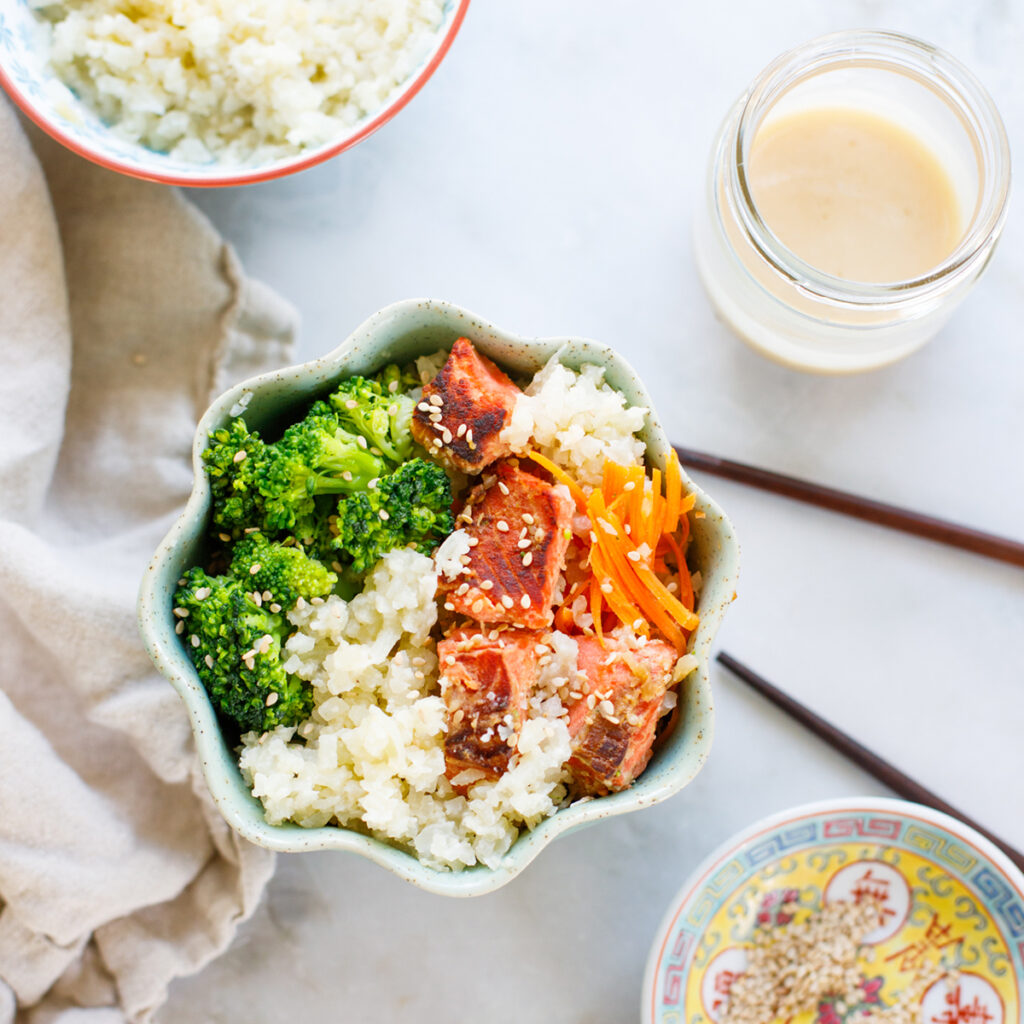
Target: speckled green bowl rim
[398,333]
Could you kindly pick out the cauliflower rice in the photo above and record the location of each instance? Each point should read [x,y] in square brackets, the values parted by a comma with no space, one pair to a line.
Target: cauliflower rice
[373,751]
[578,421]
[239,81]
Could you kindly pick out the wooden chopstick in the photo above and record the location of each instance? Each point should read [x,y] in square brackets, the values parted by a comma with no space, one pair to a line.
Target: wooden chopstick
[953,534]
[874,765]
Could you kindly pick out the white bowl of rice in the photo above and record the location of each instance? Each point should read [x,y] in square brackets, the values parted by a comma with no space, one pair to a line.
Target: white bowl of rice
[218,92]
[366,773]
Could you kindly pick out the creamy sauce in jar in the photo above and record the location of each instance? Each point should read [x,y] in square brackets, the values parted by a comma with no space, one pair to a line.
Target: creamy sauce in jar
[854,194]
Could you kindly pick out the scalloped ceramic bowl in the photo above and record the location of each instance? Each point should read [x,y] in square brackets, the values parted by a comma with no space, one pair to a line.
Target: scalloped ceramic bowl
[28,80]
[399,333]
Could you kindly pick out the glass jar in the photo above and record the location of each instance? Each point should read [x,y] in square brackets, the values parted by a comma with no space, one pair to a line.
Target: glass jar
[806,318]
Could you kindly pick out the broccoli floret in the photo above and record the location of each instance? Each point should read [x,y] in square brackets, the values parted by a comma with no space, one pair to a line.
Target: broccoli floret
[235,645]
[285,572]
[383,417]
[274,486]
[231,457]
[395,379]
[412,506]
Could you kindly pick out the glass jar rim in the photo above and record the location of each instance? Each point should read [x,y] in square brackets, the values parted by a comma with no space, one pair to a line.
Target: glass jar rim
[897,52]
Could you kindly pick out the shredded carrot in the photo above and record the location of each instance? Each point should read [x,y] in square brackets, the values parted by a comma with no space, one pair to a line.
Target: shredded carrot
[685,583]
[562,477]
[673,492]
[636,524]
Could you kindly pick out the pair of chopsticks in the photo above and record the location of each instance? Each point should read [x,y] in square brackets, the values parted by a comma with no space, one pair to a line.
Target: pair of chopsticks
[951,534]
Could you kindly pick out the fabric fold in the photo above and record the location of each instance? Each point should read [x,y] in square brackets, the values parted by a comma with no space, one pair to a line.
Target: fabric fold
[123,314]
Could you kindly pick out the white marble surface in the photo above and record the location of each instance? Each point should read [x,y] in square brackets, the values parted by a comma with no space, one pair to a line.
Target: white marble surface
[546,178]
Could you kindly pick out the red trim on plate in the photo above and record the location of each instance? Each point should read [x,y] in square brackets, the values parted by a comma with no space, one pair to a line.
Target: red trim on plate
[731,852]
[253,176]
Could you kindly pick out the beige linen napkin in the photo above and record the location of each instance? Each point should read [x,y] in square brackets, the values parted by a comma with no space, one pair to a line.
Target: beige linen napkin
[121,314]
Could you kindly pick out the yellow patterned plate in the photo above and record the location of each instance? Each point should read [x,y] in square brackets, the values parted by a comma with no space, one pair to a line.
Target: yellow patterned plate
[949,899]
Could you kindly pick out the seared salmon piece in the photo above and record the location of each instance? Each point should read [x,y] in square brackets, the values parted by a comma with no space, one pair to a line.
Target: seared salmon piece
[464,409]
[612,726]
[486,684]
[519,526]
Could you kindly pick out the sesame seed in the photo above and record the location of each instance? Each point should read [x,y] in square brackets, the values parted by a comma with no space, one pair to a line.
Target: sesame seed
[436,400]
[503,487]
[254,568]
[251,529]
[209,661]
[469,436]
[629,486]
[527,518]
[487,585]
[446,436]
[478,606]
[271,700]
[423,407]
[633,556]
[607,588]
[361,441]
[528,558]
[224,537]
[462,589]
[502,526]
[179,628]
[606,707]
[507,601]
[593,537]
[473,541]
[314,600]
[449,659]
[493,635]
[461,430]
[351,404]
[524,543]
[383,513]
[336,565]
[393,386]
[525,601]
[300,602]
[257,599]
[182,613]
[372,484]
[611,719]
[449,606]
[194,641]
[540,649]
[275,607]
[239,456]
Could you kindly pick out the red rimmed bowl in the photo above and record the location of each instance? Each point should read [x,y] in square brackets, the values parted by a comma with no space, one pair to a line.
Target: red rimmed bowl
[30,82]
